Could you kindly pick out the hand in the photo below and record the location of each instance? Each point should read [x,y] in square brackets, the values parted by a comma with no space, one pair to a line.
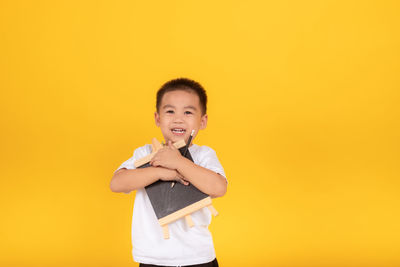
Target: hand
[168,157]
[172,175]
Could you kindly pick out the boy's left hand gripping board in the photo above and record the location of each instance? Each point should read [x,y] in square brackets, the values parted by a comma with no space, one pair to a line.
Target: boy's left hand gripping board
[172,203]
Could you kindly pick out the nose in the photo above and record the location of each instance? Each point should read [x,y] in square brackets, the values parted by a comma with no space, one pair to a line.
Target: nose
[178,118]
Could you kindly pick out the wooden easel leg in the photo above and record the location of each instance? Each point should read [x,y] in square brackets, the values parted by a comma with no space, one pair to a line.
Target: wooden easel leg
[155,145]
[165,231]
[212,210]
[189,220]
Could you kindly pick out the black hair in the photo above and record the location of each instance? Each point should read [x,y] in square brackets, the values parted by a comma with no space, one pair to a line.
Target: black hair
[184,84]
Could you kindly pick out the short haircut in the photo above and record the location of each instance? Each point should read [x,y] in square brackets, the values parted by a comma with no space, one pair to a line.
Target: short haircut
[183,84]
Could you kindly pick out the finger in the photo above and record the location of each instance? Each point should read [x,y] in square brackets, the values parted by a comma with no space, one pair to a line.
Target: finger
[184,182]
[159,151]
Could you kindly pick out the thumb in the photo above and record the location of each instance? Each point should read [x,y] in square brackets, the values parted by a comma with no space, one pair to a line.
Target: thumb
[171,145]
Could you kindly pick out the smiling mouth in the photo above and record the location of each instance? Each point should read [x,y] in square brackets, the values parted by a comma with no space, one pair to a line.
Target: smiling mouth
[178,130]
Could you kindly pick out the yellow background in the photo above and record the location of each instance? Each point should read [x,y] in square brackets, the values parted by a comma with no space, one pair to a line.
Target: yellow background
[303,114]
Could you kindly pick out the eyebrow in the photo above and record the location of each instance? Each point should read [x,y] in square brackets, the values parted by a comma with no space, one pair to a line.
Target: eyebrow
[191,107]
[168,106]
[171,106]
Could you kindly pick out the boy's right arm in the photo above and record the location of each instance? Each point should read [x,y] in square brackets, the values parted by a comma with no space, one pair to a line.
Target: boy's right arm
[125,180]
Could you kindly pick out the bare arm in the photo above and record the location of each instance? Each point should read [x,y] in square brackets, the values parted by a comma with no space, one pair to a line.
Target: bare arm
[207,181]
[125,180]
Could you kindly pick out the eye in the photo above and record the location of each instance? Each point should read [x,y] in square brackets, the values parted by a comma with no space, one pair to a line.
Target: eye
[170,111]
[188,112]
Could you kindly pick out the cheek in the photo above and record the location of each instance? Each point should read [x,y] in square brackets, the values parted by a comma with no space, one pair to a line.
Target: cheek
[166,125]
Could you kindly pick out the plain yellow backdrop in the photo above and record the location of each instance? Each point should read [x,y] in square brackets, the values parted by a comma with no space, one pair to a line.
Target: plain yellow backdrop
[303,114]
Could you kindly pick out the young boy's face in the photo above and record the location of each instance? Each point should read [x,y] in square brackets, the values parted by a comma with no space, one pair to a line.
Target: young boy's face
[179,114]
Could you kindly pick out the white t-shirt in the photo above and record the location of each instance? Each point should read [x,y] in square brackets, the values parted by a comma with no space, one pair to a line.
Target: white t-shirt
[186,245]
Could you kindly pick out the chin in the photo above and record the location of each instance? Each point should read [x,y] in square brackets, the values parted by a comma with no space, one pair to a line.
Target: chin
[175,139]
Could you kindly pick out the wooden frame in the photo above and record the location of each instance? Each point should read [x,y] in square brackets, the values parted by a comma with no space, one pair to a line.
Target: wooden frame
[183,212]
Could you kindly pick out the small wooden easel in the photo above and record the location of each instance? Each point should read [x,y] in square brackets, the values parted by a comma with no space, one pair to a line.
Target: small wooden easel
[183,212]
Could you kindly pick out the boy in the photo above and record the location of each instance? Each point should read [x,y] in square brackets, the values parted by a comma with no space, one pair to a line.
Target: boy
[181,107]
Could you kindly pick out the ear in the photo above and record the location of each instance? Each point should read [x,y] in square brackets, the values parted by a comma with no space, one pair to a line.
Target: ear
[203,122]
[157,119]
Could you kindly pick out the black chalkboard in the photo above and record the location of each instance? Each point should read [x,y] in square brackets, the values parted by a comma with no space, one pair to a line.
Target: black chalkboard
[166,200]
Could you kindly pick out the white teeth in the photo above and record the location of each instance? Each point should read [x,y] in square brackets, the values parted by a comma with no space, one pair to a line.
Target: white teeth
[178,130]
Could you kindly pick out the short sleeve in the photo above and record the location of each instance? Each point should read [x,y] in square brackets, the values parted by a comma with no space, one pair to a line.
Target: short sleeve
[207,158]
[137,154]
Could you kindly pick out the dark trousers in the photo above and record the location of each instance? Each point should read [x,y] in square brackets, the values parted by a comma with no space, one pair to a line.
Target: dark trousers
[213,263]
